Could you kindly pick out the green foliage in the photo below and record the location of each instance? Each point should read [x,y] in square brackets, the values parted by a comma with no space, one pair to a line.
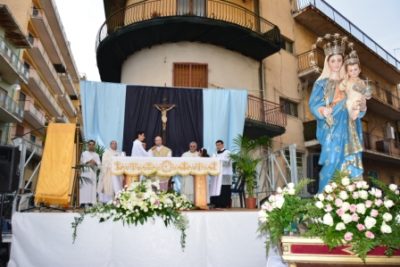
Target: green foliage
[281,211]
[347,212]
[244,160]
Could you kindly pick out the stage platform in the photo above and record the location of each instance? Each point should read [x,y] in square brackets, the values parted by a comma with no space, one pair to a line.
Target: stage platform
[214,239]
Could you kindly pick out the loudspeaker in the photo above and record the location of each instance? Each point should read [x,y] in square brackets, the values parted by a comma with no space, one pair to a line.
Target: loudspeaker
[9,173]
[313,169]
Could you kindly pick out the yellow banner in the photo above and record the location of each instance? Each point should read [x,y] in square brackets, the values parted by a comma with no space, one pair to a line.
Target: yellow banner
[56,176]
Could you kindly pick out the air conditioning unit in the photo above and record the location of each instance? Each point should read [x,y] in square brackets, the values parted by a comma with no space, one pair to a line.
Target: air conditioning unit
[389,132]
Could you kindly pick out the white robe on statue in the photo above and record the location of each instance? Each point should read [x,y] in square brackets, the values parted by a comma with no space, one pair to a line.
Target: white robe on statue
[87,188]
[187,185]
[109,184]
[138,149]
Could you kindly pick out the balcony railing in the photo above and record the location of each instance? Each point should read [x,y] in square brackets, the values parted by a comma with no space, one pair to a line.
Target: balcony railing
[333,14]
[310,61]
[265,111]
[37,114]
[379,144]
[11,106]
[13,60]
[56,54]
[30,146]
[45,91]
[385,96]
[55,82]
[213,9]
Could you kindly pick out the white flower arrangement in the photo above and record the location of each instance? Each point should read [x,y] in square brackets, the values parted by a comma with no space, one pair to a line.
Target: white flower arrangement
[353,213]
[138,203]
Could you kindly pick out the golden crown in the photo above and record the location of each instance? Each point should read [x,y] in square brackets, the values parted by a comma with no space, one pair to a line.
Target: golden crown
[352,58]
[335,44]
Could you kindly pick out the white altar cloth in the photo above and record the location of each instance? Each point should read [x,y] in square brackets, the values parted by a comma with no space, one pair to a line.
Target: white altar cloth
[214,239]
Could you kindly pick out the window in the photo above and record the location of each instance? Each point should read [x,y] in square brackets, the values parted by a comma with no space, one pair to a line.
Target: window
[389,97]
[191,75]
[287,45]
[20,131]
[22,97]
[191,7]
[33,138]
[289,107]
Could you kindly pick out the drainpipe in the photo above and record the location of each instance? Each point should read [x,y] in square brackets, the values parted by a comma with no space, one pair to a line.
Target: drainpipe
[261,78]
[261,70]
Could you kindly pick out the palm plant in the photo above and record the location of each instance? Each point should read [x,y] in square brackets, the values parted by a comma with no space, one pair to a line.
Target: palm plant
[246,162]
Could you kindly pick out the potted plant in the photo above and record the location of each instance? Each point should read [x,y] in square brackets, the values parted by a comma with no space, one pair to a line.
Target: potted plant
[245,160]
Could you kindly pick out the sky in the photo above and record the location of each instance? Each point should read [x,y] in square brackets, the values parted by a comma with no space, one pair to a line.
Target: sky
[379,19]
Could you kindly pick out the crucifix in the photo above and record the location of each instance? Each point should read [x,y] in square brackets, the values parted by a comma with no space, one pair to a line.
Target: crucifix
[164,108]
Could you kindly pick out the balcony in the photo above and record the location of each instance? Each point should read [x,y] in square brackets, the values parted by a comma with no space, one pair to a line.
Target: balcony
[68,83]
[42,27]
[11,68]
[381,149]
[147,23]
[310,64]
[10,111]
[35,148]
[41,58]
[11,28]
[39,89]
[263,118]
[384,102]
[62,119]
[321,18]
[34,117]
[54,21]
[67,104]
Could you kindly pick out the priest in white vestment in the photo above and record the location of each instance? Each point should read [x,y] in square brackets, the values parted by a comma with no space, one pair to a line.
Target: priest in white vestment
[222,183]
[87,188]
[159,150]
[109,184]
[187,181]
[138,150]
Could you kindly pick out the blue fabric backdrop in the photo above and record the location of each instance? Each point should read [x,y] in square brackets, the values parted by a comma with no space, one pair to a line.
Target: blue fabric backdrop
[103,108]
[224,115]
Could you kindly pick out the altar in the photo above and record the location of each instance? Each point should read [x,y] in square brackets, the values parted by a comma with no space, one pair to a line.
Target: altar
[169,166]
[214,239]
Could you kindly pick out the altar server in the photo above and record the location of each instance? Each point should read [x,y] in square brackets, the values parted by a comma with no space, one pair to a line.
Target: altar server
[87,189]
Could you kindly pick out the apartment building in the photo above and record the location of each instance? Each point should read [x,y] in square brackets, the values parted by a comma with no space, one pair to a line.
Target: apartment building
[39,81]
[263,46]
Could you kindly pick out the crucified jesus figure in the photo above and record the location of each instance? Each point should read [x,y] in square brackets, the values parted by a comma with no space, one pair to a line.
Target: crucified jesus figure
[164,108]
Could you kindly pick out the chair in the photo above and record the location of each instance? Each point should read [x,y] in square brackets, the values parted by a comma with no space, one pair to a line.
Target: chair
[238,188]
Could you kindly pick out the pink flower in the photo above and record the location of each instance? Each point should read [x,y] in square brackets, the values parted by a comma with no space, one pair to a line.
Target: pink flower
[353,208]
[328,208]
[355,217]
[374,213]
[340,212]
[338,202]
[368,203]
[378,202]
[360,227]
[369,235]
[348,236]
